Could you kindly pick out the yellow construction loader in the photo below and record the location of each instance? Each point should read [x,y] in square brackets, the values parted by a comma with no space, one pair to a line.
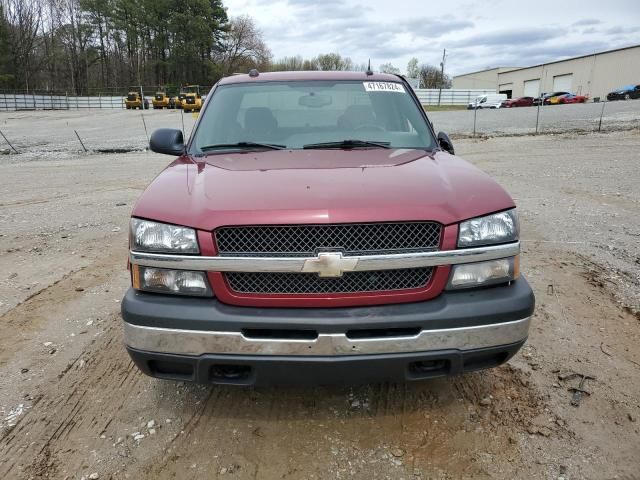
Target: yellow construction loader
[162,100]
[192,100]
[135,99]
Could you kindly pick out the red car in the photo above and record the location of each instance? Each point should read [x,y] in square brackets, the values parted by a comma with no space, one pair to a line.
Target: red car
[571,98]
[518,102]
[315,229]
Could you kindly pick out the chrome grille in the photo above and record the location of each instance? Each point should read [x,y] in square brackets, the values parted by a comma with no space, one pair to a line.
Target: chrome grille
[308,283]
[308,240]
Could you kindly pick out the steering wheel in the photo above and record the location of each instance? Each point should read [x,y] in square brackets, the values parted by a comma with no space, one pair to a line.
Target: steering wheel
[369,126]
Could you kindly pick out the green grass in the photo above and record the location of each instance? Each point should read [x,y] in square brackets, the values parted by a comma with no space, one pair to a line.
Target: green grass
[443,108]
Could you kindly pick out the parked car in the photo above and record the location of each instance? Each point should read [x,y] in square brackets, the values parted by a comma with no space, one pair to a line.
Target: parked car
[491,100]
[571,98]
[538,100]
[625,93]
[518,102]
[266,254]
[552,98]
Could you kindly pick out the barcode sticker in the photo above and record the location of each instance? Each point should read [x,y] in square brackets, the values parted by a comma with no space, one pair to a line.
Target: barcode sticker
[383,87]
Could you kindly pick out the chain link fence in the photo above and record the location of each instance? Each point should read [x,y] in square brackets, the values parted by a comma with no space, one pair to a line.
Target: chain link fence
[582,117]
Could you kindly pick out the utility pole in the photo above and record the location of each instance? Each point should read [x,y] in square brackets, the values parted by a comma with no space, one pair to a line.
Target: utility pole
[444,55]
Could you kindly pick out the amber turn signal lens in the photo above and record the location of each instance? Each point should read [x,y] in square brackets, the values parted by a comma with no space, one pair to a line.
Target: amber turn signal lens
[516,267]
[135,276]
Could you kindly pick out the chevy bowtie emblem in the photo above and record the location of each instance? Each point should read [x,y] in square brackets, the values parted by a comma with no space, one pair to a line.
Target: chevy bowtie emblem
[330,264]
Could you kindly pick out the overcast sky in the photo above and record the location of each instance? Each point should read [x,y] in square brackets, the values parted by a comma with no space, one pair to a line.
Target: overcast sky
[502,33]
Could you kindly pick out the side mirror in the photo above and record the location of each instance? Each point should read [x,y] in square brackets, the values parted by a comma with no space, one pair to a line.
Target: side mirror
[445,143]
[168,141]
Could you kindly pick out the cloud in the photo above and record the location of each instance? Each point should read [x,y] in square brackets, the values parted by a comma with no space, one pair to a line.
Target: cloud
[429,27]
[523,36]
[586,22]
[474,38]
[361,36]
[539,54]
[619,30]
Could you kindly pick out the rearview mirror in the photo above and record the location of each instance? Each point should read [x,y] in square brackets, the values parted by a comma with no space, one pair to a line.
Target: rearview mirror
[168,141]
[313,100]
[445,143]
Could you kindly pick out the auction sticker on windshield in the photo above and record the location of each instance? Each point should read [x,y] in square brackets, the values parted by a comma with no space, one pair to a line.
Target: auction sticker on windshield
[383,87]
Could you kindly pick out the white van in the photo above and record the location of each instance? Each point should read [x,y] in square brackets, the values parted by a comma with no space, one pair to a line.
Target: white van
[490,100]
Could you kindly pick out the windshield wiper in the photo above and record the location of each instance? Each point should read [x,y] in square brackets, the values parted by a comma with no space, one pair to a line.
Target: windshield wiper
[243,145]
[349,143]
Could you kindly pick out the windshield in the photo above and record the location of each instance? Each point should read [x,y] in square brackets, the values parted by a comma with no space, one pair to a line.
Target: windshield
[304,113]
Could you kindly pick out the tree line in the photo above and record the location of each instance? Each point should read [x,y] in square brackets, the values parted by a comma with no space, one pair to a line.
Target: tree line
[82,45]
[90,46]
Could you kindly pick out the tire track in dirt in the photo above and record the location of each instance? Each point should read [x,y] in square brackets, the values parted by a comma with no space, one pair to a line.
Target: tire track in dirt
[316,433]
[71,415]
[28,316]
[64,196]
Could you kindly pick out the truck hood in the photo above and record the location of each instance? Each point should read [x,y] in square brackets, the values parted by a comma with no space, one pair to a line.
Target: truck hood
[319,186]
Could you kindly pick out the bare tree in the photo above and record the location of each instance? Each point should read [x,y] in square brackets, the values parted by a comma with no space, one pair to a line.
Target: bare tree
[288,64]
[431,77]
[243,47]
[332,61]
[389,68]
[413,71]
[24,20]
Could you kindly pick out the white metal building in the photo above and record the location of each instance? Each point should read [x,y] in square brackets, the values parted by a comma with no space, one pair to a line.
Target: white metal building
[485,79]
[594,75]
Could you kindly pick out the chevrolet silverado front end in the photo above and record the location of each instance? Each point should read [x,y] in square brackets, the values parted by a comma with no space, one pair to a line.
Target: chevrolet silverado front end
[315,230]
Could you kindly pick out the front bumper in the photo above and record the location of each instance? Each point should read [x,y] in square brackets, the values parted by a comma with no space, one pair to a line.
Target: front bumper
[193,338]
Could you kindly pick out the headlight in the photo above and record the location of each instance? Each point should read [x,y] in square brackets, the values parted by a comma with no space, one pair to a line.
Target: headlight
[500,227]
[147,236]
[482,274]
[178,282]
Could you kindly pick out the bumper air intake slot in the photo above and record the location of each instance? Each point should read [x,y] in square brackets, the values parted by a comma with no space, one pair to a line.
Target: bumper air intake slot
[229,373]
[279,334]
[429,368]
[360,334]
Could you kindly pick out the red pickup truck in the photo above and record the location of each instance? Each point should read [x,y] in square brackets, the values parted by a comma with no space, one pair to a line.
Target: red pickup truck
[314,229]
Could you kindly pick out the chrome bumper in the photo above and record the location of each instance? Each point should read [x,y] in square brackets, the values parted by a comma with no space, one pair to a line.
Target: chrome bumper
[198,342]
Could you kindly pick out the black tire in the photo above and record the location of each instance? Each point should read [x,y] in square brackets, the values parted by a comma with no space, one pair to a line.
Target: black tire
[128,107]
[627,96]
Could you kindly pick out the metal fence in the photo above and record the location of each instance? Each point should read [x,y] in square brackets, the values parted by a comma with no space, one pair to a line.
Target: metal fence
[433,96]
[11,101]
[34,101]
[15,100]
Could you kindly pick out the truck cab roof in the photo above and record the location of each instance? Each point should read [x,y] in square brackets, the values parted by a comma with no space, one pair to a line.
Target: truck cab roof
[309,76]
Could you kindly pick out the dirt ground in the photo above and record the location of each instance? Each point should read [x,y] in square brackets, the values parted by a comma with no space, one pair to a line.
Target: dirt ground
[72,404]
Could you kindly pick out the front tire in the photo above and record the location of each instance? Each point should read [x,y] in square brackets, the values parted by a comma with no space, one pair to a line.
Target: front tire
[627,96]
